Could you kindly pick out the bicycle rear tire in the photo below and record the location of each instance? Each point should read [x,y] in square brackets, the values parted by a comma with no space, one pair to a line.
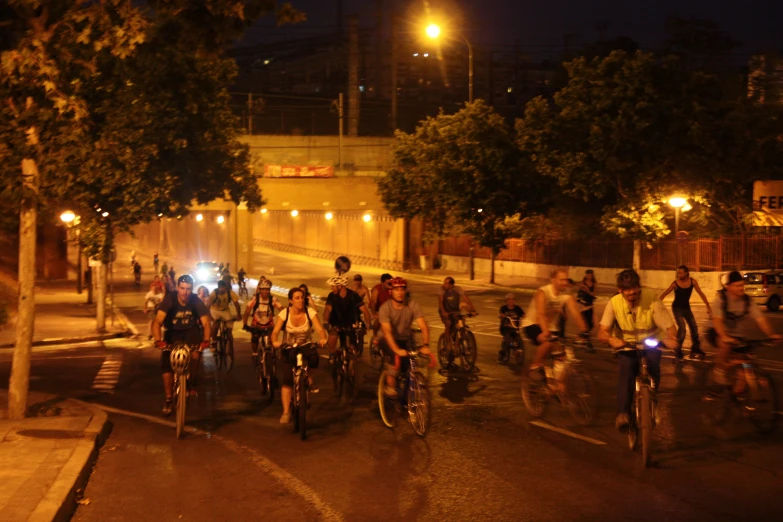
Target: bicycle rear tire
[468,351]
[419,405]
[351,380]
[444,355]
[228,362]
[764,405]
[220,352]
[582,396]
[505,353]
[646,427]
[386,406]
[534,397]
[376,357]
[338,377]
[303,408]
[294,409]
[182,399]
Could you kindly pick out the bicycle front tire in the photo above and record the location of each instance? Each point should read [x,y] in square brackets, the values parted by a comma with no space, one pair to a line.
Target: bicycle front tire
[228,356]
[582,396]
[419,406]
[646,427]
[386,406]
[303,407]
[182,399]
[764,404]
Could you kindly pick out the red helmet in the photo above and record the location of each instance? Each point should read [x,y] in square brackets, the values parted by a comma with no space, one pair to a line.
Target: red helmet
[398,281]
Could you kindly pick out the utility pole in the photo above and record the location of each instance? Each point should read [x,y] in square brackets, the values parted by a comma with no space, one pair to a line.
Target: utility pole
[19,382]
[394,58]
[339,106]
[353,75]
[249,113]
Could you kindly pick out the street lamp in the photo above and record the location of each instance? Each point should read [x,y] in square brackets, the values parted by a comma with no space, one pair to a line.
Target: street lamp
[433,31]
[677,203]
[72,220]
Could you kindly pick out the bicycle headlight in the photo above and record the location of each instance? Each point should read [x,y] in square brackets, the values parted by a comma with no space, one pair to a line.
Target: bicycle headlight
[652,343]
[202,274]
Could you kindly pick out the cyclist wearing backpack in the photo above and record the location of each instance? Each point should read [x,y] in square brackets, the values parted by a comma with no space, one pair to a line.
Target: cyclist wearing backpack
[263,308]
[732,312]
[219,302]
[297,322]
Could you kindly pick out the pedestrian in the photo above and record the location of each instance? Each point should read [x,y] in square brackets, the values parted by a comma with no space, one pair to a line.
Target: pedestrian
[155,261]
[309,301]
[172,274]
[164,270]
[203,293]
[683,287]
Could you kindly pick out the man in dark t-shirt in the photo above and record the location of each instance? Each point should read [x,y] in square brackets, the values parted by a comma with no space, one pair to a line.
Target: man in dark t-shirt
[342,309]
[510,316]
[186,320]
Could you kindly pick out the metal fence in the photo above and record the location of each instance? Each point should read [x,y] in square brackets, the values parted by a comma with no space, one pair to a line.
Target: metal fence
[700,255]
[385,264]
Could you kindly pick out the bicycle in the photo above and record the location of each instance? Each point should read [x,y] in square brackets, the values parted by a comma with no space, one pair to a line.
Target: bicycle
[180,357]
[413,396]
[264,361]
[359,329]
[462,344]
[345,368]
[242,289]
[224,353]
[567,384]
[300,396]
[514,350]
[642,417]
[757,401]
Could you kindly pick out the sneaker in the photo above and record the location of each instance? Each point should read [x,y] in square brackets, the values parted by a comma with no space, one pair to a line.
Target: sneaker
[167,407]
[697,354]
[622,421]
[678,354]
[285,418]
[390,391]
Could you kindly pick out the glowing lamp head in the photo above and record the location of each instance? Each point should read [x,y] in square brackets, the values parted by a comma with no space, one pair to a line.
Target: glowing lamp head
[328,216]
[67,216]
[221,219]
[199,217]
[367,218]
[677,202]
[294,213]
[263,211]
[433,31]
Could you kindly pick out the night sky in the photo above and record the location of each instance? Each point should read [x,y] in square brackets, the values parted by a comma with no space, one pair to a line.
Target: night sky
[541,24]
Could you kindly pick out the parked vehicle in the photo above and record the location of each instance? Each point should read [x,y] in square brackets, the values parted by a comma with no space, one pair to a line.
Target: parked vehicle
[765,288]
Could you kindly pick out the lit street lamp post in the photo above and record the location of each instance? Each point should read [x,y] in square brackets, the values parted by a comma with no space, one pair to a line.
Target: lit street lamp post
[677,203]
[71,220]
[433,31]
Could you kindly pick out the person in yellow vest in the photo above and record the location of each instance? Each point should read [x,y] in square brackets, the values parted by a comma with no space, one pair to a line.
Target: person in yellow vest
[633,315]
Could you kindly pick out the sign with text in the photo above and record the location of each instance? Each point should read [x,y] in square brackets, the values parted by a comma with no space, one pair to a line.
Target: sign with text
[768,196]
[298,171]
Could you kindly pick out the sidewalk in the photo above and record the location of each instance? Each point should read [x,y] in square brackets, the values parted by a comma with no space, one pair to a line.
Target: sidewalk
[62,316]
[46,457]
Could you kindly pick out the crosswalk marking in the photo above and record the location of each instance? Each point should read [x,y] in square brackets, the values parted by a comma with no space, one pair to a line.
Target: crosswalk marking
[108,375]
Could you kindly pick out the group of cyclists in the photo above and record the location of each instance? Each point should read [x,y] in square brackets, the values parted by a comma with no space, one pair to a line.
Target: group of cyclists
[634,313]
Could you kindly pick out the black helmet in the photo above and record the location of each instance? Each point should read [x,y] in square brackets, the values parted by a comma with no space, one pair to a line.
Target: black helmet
[185,279]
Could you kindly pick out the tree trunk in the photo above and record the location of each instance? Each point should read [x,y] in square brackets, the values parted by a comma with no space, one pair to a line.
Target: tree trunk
[637,254]
[100,298]
[20,370]
[492,266]
[470,261]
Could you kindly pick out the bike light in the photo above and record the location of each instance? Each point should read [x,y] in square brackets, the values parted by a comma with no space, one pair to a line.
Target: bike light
[652,343]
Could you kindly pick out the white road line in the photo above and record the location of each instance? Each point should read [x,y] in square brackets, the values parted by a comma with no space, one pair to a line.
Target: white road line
[571,434]
[285,478]
[107,377]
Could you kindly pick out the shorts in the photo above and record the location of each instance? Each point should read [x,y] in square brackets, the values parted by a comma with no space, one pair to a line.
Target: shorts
[389,357]
[286,361]
[258,331]
[532,332]
[225,315]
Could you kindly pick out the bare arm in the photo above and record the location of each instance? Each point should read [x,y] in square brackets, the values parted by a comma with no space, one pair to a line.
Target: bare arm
[671,287]
[670,341]
[327,313]
[470,304]
[366,311]
[441,308]
[319,329]
[573,311]
[247,313]
[764,326]
[541,311]
[373,298]
[239,310]
[156,324]
[389,336]
[276,342]
[701,294]
[210,300]
[205,324]
[604,335]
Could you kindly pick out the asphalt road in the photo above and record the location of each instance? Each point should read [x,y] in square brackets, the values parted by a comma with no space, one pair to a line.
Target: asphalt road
[483,459]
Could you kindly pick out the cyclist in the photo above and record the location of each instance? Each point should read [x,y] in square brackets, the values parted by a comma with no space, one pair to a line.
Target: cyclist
[549,304]
[151,302]
[379,294]
[203,293]
[186,319]
[510,314]
[733,311]
[172,274]
[360,289]
[218,302]
[342,311]
[156,282]
[164,270]
[632,315]
[450,298]
[297,322]
[155,261]
[137,273]
[263,307]
[241,276]
[396,317]
[226,276]
[683,287]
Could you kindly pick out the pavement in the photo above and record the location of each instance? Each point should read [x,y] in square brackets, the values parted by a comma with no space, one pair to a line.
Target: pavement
[47,456]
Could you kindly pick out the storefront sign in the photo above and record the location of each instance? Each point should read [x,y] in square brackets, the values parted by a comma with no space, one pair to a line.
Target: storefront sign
[298,171]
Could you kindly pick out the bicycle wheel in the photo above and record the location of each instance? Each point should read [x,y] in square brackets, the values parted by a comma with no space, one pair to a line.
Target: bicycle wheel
[762,404]
[633,425]
[646,427]
[505,352]
[467,349]
[295,405]
[376,357]
[534,397]
[581,394]
[386,406]
[228,357]
[351,380]
[182,397]
[717,401]
[419,410]
[271,380]
[220,352]
[303,408]
[444,355]
[338,376]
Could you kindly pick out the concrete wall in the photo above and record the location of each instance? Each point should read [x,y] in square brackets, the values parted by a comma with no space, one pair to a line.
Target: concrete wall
[661,279]
[321,194]
[361,156]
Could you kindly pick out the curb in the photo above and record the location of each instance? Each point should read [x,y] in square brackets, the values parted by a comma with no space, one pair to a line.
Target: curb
[74,340]
[60,501]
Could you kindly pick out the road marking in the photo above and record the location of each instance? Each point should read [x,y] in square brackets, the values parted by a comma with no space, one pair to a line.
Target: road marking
[571,434]
[109,374]
[285,478]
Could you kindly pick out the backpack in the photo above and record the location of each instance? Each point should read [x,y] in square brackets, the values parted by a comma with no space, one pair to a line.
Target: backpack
[724,304]
[307,314]
[215,293]
[258,303]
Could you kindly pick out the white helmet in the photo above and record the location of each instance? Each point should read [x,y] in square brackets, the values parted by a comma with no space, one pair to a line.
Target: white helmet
[180,358]
[337,281]
[264,283]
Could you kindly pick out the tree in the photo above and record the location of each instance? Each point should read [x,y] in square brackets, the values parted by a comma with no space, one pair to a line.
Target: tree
[461,173]
[632,130]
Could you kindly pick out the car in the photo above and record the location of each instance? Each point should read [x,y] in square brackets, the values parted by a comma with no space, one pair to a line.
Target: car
[765,288]
[206,272]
